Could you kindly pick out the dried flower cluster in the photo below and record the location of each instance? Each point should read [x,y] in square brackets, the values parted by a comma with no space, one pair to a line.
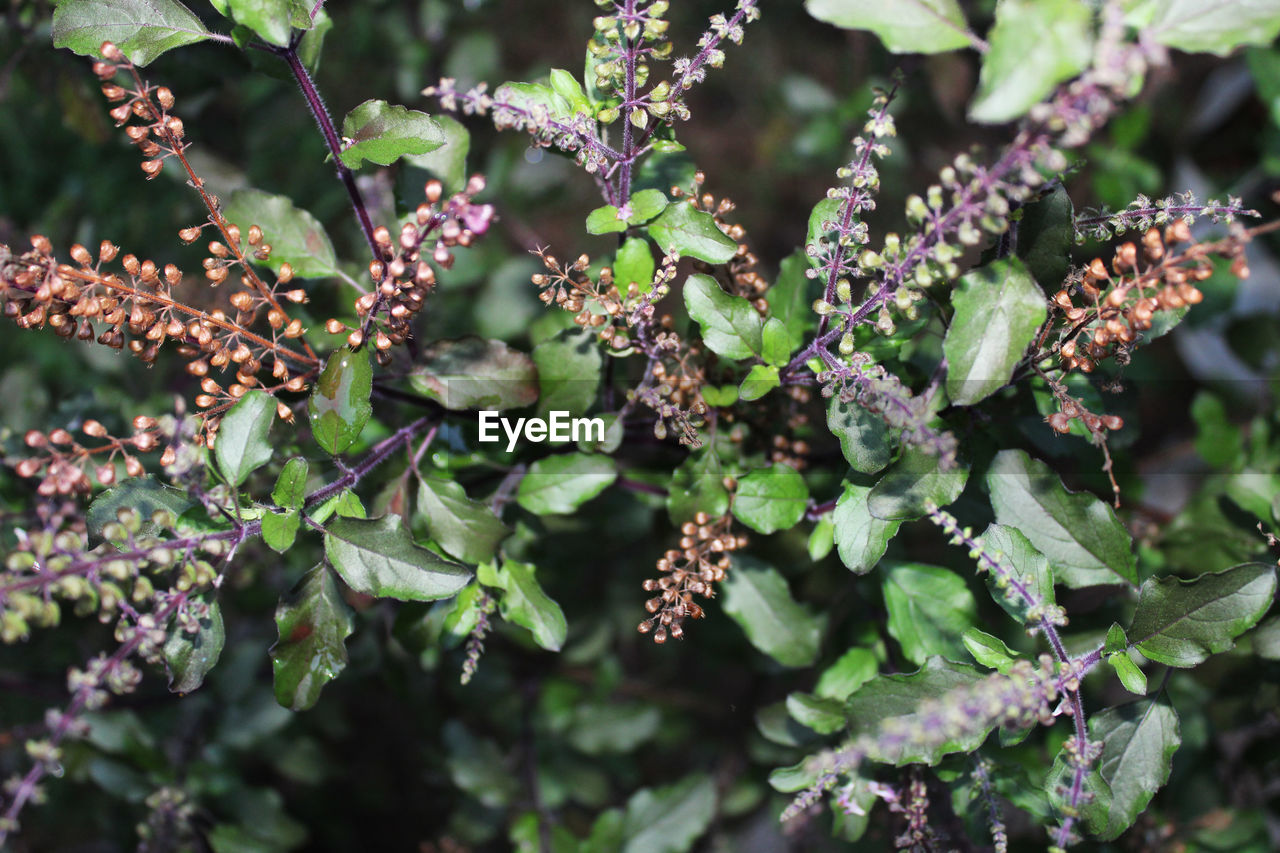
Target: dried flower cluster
[402,271]
[691,570]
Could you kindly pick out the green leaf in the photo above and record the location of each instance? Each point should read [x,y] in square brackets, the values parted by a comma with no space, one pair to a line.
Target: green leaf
[1266,640]
[279,529]
[569,368]
[731,326]
[534,98]
[143,29]
[313,623]
[611,729]
[692,233]
[757,598]
[760,380]
[527,605]
[1013,78]
[854,668]
[465,528]
[272,20]
[864,436]
[188,656]
[929,608]
[561,484]
[720,397]
[789,299]
[339,405]
[606,220]
[634,264]
[861,538]
[893,701]
[645,205]
[669,819]
[296,237]
[448,163]
[1138,742]
[913,481]
[1180,623]
[377,557]
[771,499]
[988,650]
[313,41]
[474,373]
[776,345]
[1085,543]
[241,446]
[1046,238]
[1029,567]
[383,133]
[918,26]
[1212,26]
[1218,441]
[998,310]
[291,486]
[144,494]
[568,87]
[477,766]
[822,538]
[1133,678]
[824,716]
[697,486]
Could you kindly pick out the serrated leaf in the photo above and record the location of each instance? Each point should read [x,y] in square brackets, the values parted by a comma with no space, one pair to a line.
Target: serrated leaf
[143,29]
[1013,79]
[697,486]
[383,133]
[188,656]
[291,486]
[905,26]
[241,446]
[692,233]
[894,700]
[929,608]
[861,538]
[914,480]
[669,819]
[1213,26]
[864,436]
[1080,535]
[475,373]
[569,367]
[998,309]
[1180,623]
[465,528]
[339,404]
[377,557]
[1028,567]
[757,598]
[731,326]
[771,499]
[313,624]
[279,529]
[561,484]
[296,237]
[760,380]
[1138,742]
[527,605]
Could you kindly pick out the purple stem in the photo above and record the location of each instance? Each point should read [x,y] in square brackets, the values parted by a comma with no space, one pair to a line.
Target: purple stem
[325,122]
[630,56]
